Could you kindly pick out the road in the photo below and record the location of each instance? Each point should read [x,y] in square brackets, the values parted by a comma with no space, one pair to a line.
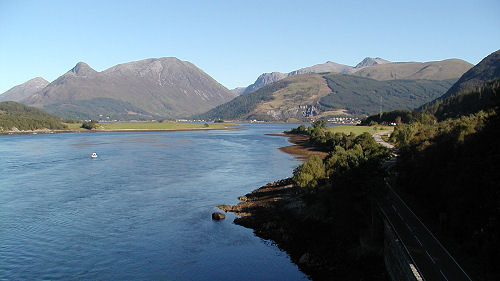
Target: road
[378,138]
[431,259]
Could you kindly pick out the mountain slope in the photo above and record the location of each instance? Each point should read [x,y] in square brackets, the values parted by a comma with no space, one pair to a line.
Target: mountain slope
[435,70]
[370,61]
[15,116]
[24,90]
[145,89]
[320,95]
[486,69]
[476,90]
[378,69]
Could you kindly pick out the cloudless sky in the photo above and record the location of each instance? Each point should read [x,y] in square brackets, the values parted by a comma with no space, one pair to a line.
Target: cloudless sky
[236,41]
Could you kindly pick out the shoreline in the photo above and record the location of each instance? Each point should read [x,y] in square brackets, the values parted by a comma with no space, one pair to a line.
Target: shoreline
[314,240]
[45,132]
[300,147]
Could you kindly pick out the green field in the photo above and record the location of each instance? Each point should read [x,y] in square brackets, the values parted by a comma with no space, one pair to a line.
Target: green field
[152,126]
[357,130]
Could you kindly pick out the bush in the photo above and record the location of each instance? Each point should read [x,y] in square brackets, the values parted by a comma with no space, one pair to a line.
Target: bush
[310,173]
[90,125]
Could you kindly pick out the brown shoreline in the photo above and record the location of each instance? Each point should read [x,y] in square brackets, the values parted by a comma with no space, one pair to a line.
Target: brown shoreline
[281,212]
[301,148]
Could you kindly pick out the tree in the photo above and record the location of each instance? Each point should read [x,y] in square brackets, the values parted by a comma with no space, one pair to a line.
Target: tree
[310,173]
[90,125]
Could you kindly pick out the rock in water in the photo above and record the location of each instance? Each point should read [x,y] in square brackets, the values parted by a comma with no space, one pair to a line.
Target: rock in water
[218,216]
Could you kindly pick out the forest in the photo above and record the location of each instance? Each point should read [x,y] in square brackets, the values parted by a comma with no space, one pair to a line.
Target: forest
[15,115]
[448,172]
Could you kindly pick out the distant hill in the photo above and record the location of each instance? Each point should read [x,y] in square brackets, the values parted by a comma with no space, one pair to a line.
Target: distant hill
[370,61]
[435,70]
[268,78]
[15,116]
[24,90]
[332,94]
[467,102]
[378,69]
[145,89]
[477,89]
[238,91]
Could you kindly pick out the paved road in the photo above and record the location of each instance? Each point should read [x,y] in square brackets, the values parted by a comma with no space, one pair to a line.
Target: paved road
[431,259]
[378,138]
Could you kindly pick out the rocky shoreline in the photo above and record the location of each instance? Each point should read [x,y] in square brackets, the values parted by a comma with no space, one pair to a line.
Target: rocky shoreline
[324,246]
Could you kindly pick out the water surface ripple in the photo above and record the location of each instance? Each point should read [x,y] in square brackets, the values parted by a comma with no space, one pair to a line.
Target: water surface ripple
[141,210]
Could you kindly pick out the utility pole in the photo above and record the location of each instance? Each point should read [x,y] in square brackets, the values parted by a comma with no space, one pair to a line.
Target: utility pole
[380,111]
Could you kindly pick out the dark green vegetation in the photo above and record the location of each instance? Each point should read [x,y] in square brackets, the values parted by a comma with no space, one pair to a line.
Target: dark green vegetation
[89,125]
[327,94]
[96,107]
[347,154]
[448,169]
[466,102]
[363,96]
[449,172]
[339,223]
[487,69]
[15,115]
[242,106]
[395,116]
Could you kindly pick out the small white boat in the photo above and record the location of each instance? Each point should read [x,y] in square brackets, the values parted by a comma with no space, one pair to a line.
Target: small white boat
[94,155]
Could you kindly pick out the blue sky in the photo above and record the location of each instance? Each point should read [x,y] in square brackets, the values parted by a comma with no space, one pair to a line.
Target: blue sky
[235,41]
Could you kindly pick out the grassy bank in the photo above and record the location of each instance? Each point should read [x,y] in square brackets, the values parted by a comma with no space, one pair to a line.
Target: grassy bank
[358,130]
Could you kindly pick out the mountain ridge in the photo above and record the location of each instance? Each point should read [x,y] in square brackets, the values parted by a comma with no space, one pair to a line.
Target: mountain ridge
[314,95]
[24,90]
[145,89]
[378,69]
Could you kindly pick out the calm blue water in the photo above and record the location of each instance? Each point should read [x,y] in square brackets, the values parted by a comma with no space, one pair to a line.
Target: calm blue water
[141,210]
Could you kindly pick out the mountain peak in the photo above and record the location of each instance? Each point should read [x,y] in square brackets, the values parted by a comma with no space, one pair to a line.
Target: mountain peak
[371,61]
[24,90]
[82,69]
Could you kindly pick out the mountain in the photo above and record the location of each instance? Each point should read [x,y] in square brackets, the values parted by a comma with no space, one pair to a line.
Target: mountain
[268,78]
[146,89]
[24,90]
[331,94]
[15,116]
[378,69]
[264,79]
[238,91]
[486,69]
[322,68]
[434,70]
[370,61]
[478,89]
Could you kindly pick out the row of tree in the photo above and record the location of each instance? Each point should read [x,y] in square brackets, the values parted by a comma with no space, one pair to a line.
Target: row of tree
[15,115]
[448,170]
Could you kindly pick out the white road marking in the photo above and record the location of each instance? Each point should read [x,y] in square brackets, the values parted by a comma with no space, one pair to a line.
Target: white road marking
[444,276]
[430,257]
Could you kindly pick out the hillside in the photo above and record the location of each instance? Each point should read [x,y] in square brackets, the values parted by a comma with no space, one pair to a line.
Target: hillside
[487,69]
[15,116]
[435,70]
[24,90]
[322,95]
[378,69]
[146,89]
[268,78]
